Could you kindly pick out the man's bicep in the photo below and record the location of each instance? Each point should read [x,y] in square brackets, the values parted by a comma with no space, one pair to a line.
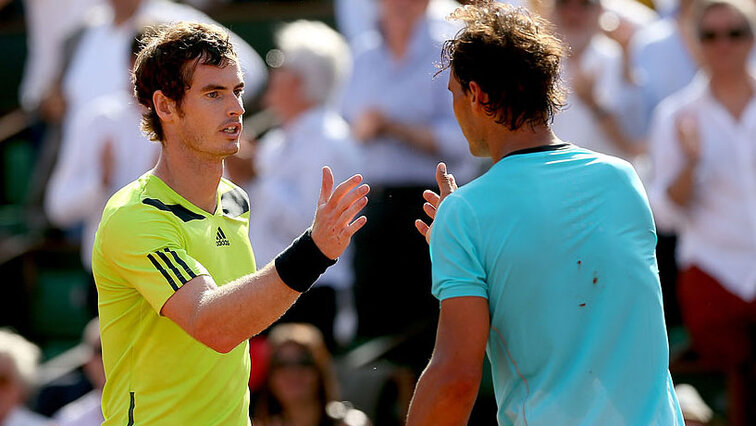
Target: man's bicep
[463,328]
[182,305]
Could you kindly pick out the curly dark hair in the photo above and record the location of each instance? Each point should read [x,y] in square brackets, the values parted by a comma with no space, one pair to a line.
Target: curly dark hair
[513,56]
[167,62]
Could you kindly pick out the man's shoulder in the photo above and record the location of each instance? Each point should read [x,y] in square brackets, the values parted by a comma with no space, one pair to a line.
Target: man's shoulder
[693,93]
[141,204]
[597,162]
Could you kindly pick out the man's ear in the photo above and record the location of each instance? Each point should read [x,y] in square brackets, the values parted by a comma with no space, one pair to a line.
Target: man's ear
[477,95]
[164,107]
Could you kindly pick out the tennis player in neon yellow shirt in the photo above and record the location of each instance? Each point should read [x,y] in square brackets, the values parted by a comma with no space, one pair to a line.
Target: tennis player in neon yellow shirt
[179,294]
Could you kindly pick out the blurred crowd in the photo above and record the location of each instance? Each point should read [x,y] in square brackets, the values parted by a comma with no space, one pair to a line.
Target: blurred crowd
[668,86]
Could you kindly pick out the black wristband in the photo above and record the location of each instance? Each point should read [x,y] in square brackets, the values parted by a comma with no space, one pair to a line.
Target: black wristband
[302,263]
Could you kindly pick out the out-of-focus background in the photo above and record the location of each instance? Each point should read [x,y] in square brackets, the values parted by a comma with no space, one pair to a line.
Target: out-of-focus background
[330,82]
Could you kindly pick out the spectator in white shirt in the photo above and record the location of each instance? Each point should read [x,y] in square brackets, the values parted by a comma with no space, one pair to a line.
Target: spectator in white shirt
[356,17]
[703,144]
[308,67]
[99,63]
[49,23]
[103,150]
[599,94]
[404,122]
[18,368]
[663,58]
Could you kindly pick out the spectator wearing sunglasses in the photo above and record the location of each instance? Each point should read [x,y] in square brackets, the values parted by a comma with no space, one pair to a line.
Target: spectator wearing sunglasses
[301,381]
[704,150]
[600,99]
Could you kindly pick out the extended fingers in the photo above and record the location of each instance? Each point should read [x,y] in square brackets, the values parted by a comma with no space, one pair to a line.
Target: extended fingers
[351,211]
[344,188]
[446,182]
[326,185]
[430,210]
[353,227]
[348,200]
[423,229]
[431,197]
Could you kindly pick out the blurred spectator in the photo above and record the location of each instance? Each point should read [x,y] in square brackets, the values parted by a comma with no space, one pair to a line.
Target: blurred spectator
[49,23]
[300,382]
[356,17]
[599,95]
[18,368]
[703,146]
[663,58]
[99,63]
[87,410]
[666,8]
[403,118]
[103,150]
[308,67]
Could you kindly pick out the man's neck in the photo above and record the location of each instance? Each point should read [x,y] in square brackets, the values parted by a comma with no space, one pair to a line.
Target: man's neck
[504,141]
[736,82]
[733,90]
[192,177]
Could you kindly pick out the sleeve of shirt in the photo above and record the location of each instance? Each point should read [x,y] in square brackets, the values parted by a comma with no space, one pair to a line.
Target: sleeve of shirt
[612,92]
[668,161]
[76,183]
[149,254]
[456,263]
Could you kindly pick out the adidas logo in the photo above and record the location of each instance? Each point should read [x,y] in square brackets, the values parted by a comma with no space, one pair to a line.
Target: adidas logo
[220,238]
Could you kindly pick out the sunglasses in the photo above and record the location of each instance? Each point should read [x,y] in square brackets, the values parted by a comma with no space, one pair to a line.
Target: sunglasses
[301,362]
[733,34]
[584,4]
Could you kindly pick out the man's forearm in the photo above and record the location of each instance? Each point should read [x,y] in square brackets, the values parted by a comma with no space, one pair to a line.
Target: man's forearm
[682,188]
[417,136]
[443,398]
[228,315]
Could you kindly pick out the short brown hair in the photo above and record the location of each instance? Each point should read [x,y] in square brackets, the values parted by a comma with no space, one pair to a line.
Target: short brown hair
[513,56]
[167,62]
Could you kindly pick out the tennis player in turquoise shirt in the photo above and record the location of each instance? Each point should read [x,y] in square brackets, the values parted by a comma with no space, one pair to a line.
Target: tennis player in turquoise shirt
[546,262]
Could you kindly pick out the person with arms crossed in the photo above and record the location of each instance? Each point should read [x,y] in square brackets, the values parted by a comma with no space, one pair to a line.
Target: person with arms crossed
[178,294]
[546,262]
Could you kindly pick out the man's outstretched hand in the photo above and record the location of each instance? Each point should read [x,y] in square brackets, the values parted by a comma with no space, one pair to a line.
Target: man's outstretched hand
[333,227]
[446,185]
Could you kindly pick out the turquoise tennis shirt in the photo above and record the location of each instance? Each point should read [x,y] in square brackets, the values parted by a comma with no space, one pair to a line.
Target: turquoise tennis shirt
[560,241]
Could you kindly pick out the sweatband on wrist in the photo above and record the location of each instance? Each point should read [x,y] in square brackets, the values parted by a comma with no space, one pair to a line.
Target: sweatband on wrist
[302,263]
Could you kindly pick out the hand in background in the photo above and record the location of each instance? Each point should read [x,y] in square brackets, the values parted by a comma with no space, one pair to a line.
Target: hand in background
[689,139]
[107,161]
[446,185]
[333,227]
[369,125]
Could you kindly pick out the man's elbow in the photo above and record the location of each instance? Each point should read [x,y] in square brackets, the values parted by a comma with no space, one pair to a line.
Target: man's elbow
[213,335]
[215,340]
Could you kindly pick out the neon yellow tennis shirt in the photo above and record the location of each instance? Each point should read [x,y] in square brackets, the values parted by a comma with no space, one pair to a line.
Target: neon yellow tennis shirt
[150,242]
